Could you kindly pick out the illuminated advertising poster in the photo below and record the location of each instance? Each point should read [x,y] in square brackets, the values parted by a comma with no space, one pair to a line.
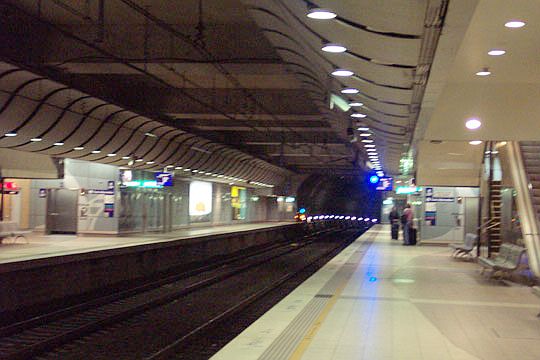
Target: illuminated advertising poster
[239,202]
[200,201]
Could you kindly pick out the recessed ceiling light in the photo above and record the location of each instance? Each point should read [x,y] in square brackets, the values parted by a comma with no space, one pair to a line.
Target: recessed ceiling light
[514,24]
[96,151]
[111,154]
[484,72]
[10,134]
[350,91]
[321,14]
[365,134]
[58,144]
[363,129]
[77,148]
[496,52]
[36,139]
[475,142]
[342,72]
[355,104]
[334,48]
[358,115]
[473,124]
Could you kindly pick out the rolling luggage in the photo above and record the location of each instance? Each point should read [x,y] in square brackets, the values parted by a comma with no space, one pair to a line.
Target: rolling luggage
[412,236]
[395,230]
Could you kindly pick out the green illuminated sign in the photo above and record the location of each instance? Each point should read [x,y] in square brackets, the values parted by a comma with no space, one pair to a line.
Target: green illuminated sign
[407,189]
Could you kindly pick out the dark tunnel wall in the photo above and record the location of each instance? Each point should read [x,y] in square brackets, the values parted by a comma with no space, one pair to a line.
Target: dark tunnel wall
[339,196]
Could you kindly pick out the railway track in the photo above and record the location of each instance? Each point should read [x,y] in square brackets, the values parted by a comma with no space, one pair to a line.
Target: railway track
[39,335]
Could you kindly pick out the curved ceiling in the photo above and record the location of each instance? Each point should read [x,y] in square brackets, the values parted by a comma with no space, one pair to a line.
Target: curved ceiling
[390,46]
[42,116]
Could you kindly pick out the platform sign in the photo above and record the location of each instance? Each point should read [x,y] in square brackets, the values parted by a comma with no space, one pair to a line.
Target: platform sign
[385,184]
[164,178]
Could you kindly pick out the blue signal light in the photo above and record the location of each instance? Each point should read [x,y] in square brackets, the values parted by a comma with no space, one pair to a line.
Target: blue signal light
[302,211]
[374,179]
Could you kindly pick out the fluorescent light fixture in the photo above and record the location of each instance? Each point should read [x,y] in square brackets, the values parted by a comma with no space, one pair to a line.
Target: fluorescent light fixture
[350,91]
[10,134]
[150,162]
[321,14]
[125,157]
[178,168]
[358,115]
[475,142]
[150,134]
[514,24]
[58,144]
[484,72]
[365,134]
[496,52]
[36,139]
[342,72]
[187,169]
[369,145]
[96,151]
[111,154]
[473,124]
[77,148]
[334,48]
[356,104]
[363,129]
[367,141]
[139,160]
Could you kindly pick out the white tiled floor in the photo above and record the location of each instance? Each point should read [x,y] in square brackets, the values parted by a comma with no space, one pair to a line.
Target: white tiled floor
[405,303]
[43,246]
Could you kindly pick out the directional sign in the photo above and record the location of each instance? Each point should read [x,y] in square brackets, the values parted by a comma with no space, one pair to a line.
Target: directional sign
[164,179]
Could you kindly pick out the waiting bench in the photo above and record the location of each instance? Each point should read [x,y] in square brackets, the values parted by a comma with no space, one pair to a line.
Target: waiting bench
[10,229]
[507,260]
[464,249]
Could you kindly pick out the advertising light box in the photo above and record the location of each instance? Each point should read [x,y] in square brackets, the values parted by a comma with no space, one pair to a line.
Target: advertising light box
[200,198]
[385,184]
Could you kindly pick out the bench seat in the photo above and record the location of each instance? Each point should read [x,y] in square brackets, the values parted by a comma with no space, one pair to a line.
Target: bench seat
[507,260]
[10,229]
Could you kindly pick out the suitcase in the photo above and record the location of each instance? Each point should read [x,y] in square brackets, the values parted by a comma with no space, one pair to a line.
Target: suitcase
[395,231]
[412,236]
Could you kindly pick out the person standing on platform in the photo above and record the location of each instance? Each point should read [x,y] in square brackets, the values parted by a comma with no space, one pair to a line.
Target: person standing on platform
[406,220]
[394,222]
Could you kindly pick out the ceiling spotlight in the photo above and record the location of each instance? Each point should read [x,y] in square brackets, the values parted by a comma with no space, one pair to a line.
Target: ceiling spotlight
[342,72]
[484,72]
[496,52]
[350,91]
[473,124]
[321,14]
[355,104]
[475,142]
[36,139]
[77,148]
[58,144]
[514,24]
[358,115]
[334,48]
[10,134]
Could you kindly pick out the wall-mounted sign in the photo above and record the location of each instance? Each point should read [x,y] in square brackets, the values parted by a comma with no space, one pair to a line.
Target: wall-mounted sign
[99,191]
[385,184]
[431,196]
[42,193]
[164,178]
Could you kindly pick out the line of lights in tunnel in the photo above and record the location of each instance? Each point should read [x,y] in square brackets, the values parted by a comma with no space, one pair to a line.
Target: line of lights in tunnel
[342,217]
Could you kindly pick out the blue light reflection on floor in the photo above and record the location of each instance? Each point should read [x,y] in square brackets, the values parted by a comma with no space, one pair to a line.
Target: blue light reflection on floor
[372,279]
